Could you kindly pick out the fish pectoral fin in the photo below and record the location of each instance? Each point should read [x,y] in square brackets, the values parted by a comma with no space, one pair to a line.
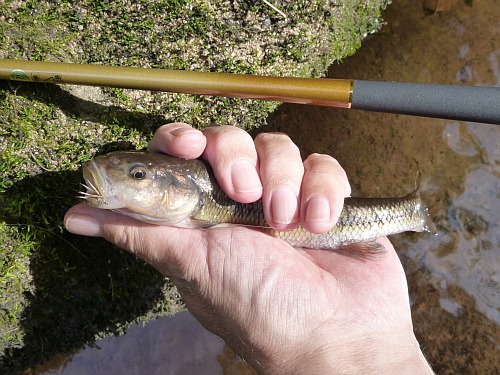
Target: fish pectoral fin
[364,250]
[197,223]
[222,225]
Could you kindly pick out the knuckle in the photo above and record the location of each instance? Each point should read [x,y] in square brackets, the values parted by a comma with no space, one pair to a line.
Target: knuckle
[285,178]
[222,140]
[323,163]
[225,132]
[320,159]
[317,165]
[273,144]
[272,137]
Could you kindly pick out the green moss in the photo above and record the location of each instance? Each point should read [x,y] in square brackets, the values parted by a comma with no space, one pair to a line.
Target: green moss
[14,283]
[33,31]
[59,291]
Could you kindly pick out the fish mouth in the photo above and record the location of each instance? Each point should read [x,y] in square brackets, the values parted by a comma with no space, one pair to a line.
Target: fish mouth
[99,191]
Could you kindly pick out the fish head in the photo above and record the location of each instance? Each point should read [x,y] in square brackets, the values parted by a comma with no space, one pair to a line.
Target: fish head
[151,187]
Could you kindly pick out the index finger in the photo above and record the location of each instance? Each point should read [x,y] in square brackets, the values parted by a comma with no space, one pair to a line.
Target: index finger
[178,139]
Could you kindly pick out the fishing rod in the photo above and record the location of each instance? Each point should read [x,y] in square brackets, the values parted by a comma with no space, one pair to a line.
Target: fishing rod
[462,103]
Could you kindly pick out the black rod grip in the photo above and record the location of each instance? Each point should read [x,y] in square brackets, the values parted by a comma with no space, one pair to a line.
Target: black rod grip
[463,103]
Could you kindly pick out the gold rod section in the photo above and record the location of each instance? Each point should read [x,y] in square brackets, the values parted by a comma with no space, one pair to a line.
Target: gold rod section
[313,91]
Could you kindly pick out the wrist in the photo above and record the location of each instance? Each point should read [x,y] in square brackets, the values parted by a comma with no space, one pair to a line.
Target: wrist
[383,354]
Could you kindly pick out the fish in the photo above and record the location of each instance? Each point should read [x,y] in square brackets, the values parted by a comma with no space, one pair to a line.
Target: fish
[164,190]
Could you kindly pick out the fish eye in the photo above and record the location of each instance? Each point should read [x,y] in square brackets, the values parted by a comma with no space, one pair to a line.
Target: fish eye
[138,171]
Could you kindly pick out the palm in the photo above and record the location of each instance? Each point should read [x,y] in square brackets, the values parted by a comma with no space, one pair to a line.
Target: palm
[271,287]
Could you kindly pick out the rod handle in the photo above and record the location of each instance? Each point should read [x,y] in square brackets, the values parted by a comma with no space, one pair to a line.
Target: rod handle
[463,103]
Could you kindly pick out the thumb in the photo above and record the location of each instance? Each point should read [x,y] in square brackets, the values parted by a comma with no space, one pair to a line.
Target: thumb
[167,249]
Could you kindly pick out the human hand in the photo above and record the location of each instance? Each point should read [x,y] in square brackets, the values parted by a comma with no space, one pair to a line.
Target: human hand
[284,310]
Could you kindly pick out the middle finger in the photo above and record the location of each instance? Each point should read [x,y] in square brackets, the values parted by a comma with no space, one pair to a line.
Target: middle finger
[281,172]
[231,153]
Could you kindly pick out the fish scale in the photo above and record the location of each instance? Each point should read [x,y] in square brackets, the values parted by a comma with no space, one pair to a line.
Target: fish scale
[185,193]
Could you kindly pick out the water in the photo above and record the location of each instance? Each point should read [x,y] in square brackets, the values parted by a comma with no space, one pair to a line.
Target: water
[454,277]
[467,248]
[180,342]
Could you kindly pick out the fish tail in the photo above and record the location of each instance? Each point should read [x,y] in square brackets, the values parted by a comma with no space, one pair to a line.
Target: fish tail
[427,224]
[425,218]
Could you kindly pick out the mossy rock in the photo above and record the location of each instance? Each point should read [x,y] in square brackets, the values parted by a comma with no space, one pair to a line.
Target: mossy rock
[60,291]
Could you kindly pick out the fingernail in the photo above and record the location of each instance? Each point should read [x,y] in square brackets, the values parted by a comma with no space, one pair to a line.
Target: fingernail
[284,207]
[181,131]
[84,225]
[244,177]
[318,209]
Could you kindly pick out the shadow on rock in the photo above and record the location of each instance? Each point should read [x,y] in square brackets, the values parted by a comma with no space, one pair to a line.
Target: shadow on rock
[86,110]
[82,288]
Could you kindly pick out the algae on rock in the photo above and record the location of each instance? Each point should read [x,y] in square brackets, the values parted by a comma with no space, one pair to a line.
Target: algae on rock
[60,291]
